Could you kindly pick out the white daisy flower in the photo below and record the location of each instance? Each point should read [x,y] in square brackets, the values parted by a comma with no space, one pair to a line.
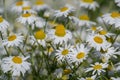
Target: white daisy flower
[105,33]
[13,40]
[117,2]
[84,20]
[15,64]
[117,23]
[26,18]
[110,52]
[39,37]
[40,5]
[60,35]
[89,4]
[3,24]
[17,7]
[39,22]
[63,52]
[98,42]
[88,78]
[97,68]
[27,9]
[79,53]
[109,18]
[94,29]
[64,11]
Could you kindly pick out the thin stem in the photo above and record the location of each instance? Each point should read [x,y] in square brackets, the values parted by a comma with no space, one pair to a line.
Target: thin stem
[4,46]
[21,51]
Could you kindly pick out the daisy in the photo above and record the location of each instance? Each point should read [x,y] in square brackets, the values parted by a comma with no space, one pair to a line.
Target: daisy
[60,34]
[64,11]
[94,29]
[63,52]
[79,53]
[27,9]
[89,4]
[39,37]
[105,33]
[88,78]
[39,22]
[109,18]
[84,20]
[110,52]
[40,5]
[97,68]
[13,40]
[117,23]
[17,7]
[98,42]
[27,18]
[117,2]
[15,64]
[3,24]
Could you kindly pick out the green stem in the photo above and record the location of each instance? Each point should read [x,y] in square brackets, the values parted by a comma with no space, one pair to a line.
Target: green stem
[4,46]
[21,51]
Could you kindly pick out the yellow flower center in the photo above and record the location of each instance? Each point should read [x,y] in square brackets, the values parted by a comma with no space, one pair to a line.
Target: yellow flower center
[115,14]
[12,38]
[80,55]
[19,3]
[63,9]
[40,35]
[67,71]
[93,28]
[39,2]
[65,52]
[17,60]
[1,19]
[97,67]
[88,1]
[26,8]
[60,31]
[103,32]
[84,17]
[89,79]
[98,39]
[26,15]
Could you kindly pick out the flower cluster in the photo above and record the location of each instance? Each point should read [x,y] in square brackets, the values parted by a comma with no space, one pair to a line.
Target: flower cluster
[60,41]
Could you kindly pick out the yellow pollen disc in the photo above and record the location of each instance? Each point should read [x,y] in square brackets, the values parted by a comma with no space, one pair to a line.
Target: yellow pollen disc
[80,55]
[67,71]
[19,3]
[17,60]
[64,9]
[84,17]
[115,14]
[60,31]
[103,32]
[26,15]
[12,38]
[39,3]
[40,35]
[97,67]
[26,8]
[98,39]
[88,1]
[93,28]
[65,52]
[89,79]
[1,19]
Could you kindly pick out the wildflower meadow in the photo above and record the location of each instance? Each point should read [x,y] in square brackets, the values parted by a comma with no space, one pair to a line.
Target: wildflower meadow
[59,39]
